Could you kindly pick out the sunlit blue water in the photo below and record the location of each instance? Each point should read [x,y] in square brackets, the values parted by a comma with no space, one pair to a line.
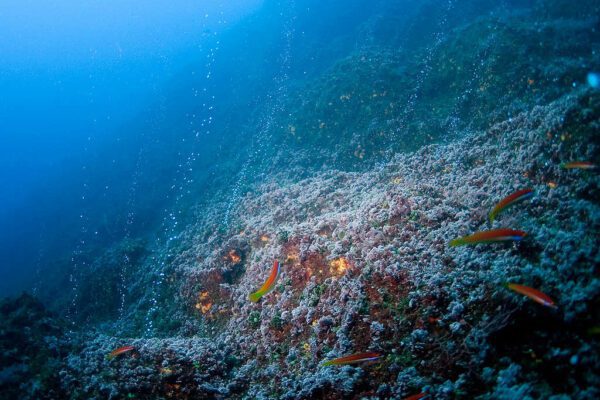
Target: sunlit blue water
[82,86]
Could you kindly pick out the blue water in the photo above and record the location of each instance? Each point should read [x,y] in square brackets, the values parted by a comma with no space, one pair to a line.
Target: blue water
[81,85]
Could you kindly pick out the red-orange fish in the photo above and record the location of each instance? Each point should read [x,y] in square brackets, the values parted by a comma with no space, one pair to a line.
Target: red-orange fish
[533,294]
[509,200]
[578,164]
[353,359]
[494,235]
[119,351]
[269,284]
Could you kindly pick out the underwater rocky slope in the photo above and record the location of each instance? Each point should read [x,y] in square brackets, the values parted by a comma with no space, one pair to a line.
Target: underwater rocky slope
[366,266]
[423,142]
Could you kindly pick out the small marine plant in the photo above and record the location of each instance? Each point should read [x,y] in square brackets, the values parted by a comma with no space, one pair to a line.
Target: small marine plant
[276,322]
[283,237]
[414,215]
[315,295]
[254,319]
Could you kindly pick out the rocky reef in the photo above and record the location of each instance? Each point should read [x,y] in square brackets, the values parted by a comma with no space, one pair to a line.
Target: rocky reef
[425,142]
[366,266]
[33,347]
[372,104]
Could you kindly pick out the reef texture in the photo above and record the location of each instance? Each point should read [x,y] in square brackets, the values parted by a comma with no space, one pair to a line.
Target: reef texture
[383,100]
[366,266]
[365,257]
[33,348]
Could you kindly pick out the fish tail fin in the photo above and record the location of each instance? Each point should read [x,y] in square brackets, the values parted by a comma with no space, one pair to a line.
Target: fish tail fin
[457,242]
[254,297]
[327,363]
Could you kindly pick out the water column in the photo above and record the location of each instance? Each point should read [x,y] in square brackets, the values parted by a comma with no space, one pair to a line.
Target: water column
[129,220]
[275,105]
[438,38]
[78,261]
[197,131]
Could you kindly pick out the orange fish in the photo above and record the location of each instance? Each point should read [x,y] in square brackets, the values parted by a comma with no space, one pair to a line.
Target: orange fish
[494,235]
[352,359]
[119,351]
[269,284]
[533,294]
[517,196]
[578,164]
